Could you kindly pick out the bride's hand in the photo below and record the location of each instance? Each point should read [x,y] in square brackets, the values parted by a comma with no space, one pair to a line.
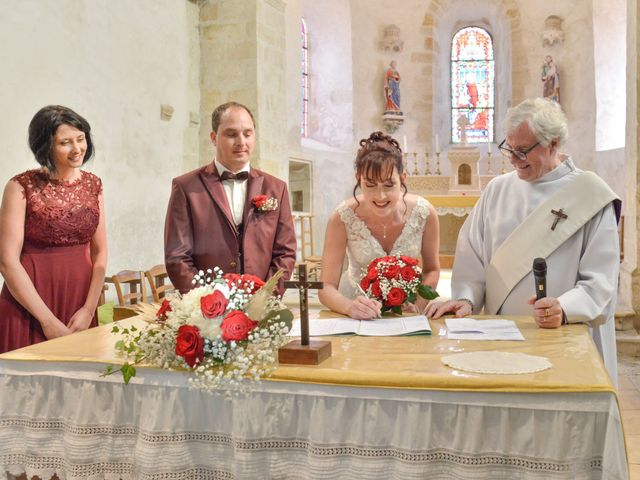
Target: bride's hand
[363,308]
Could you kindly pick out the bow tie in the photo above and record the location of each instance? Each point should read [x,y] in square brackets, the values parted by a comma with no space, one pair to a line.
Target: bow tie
[226,175]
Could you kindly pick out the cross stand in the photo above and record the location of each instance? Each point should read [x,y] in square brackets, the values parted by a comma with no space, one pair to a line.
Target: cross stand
[559,215]
[304,351]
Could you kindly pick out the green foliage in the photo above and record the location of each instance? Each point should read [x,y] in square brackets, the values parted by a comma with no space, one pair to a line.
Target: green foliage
[128,372]
[126,346]
[427,292]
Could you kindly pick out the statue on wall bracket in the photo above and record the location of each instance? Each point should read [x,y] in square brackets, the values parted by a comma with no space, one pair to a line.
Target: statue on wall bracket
[393,116]
[550,80]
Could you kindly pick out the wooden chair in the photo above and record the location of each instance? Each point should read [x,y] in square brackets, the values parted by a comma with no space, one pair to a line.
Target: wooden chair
[102,300]
[135,285]
[303,223]
[158,281]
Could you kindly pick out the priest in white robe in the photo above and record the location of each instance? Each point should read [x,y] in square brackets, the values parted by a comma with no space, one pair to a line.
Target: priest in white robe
[545,208]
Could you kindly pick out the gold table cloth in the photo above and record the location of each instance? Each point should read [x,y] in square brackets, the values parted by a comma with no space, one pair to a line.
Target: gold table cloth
[410,362]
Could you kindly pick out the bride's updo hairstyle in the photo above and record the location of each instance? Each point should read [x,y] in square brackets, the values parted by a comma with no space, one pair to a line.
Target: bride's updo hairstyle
[376,158]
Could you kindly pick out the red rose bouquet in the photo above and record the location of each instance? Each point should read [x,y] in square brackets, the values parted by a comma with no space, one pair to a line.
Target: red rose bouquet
[395,281]
[228,328]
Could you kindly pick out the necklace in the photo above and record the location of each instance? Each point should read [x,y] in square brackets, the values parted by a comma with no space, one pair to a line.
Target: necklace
[384,230]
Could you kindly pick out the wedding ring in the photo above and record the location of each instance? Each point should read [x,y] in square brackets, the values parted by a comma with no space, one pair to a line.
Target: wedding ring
[546,312]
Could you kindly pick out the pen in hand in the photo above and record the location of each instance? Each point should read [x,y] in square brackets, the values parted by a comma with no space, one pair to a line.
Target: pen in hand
[367,296]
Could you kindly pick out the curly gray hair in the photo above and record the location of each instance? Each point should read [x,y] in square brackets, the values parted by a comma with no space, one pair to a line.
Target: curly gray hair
[545,118]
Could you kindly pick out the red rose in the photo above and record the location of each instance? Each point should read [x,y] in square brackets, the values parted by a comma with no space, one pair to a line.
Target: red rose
[409,260]
[364,283]
[372,275]
[164,308]
[189,344]
[374,264]
[213,304]
[259,201]
[395,297]
[241,281]
[231,278]
[392,271]
[376,290]
[236,326]
[258,283]
[408,273]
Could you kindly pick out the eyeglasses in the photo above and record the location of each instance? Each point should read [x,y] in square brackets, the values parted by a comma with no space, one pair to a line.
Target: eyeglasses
[519,154]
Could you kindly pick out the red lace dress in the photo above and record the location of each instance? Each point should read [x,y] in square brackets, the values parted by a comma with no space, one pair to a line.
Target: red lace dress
[60,220]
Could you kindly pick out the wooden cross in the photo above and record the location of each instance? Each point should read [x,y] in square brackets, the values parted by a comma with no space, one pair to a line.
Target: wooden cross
[303,286]
[304,351]
[559,215]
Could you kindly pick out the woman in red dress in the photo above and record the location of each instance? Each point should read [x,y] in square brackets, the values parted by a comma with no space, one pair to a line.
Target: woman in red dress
[53,246]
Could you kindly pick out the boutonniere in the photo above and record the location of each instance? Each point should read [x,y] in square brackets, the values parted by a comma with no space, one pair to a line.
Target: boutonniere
[262,203]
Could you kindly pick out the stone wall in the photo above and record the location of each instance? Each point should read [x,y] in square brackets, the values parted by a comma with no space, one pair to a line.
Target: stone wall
[243,59]
[114,62]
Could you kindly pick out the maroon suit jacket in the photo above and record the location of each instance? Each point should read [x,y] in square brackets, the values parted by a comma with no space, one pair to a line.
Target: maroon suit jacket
[200,233]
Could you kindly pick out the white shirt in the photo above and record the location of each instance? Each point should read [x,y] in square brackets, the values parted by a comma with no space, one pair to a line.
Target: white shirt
[236,191]
[582,273]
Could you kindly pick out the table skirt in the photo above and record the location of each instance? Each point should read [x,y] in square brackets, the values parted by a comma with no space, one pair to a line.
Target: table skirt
[62,418]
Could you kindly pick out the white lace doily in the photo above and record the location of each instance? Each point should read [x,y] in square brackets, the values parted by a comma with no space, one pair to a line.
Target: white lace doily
[503,363]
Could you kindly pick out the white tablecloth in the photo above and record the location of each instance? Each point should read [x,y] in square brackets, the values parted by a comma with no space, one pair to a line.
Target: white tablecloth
[58,417]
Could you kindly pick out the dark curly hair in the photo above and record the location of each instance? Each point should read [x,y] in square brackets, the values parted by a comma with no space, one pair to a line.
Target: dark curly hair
[376,158]
[43,127]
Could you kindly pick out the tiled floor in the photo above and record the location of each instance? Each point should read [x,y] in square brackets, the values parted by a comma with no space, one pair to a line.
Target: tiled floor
[629,395]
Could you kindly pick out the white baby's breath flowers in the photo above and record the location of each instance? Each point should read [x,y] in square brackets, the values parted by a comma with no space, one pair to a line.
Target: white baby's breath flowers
[227,367]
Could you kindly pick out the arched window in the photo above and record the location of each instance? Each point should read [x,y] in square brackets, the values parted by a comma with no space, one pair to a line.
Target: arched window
[472,85]
[305,79]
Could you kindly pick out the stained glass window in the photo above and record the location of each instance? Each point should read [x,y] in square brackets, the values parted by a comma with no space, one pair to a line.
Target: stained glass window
[305,79]
[472,85]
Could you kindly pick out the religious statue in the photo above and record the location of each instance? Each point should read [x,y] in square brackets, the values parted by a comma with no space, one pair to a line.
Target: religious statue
[550,80]
[462,123]
[392,89]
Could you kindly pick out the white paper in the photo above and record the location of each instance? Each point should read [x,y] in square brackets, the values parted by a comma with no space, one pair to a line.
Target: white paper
[490,329]
[381,327]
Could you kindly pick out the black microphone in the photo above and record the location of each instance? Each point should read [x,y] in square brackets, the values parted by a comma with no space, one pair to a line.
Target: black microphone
[540,277]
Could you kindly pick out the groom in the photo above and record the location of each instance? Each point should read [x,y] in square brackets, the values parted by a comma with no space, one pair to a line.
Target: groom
[228,214]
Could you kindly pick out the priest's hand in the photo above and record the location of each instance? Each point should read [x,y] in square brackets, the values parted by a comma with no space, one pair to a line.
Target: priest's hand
[547,311]
[54,328]
[363,308]
[461,308]
[80,320]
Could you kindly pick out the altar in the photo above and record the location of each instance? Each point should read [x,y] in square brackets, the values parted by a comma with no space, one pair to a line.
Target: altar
[378,408]
[453,195]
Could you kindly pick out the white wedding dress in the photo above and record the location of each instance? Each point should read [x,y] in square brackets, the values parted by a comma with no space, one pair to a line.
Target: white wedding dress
[362,246]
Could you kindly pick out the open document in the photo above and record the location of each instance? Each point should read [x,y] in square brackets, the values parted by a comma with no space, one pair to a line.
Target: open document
[491,329]
[379,327]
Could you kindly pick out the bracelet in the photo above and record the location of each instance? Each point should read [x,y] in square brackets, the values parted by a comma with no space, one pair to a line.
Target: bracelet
[466,300]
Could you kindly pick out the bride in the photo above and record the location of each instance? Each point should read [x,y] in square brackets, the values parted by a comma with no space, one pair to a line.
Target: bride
[383,219]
